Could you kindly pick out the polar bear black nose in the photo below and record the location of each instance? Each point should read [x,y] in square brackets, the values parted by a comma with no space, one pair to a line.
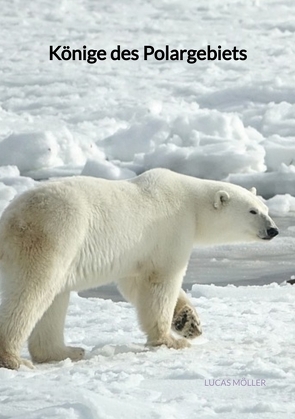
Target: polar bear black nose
[272,232]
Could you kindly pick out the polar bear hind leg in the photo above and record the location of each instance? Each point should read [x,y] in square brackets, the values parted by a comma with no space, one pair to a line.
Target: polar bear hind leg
[46,342]
[25,297]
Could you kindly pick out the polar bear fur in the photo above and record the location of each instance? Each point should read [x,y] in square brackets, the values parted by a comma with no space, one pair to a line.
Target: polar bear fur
[82,232]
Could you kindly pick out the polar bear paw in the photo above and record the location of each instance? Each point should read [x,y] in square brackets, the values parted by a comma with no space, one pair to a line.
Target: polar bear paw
[13,362]
[27,363]
[186,323]
[171,342]
[10,361]
[74,353]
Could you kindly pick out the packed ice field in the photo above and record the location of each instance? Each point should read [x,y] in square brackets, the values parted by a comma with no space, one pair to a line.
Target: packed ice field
[222,120]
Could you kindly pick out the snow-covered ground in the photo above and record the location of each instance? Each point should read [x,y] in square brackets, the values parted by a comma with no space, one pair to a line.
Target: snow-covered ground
[226,120]
[242,366]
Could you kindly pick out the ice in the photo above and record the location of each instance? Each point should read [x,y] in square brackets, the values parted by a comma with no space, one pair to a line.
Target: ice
[270,183]
[271,292]
[30,151]
[212,119]
[138,138]
[11,183]
[106,169]
[281,205]
[248,337]
[35,152]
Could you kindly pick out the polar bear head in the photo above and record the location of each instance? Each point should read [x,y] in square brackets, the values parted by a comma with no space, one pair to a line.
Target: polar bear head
[236,215]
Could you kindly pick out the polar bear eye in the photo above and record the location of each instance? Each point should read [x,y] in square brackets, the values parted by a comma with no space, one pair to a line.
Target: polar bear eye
[253,212]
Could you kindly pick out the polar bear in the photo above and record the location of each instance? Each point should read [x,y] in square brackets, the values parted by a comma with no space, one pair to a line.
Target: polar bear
[82,232]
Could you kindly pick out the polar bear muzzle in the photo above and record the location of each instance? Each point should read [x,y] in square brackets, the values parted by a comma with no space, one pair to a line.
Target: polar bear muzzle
[271,233]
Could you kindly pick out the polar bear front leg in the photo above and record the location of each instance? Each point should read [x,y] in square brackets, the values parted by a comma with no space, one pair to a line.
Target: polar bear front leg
[157,296]
[186,321]
[46,342]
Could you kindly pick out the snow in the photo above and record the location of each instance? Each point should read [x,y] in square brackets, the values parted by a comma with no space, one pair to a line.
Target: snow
[223,120]
[229,120]
[248,337]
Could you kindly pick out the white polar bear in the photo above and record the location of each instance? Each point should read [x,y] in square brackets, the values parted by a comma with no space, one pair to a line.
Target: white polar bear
[82,232]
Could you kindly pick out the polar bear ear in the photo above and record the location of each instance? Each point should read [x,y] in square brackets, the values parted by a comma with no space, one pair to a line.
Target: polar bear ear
[221,198]
[253,190]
